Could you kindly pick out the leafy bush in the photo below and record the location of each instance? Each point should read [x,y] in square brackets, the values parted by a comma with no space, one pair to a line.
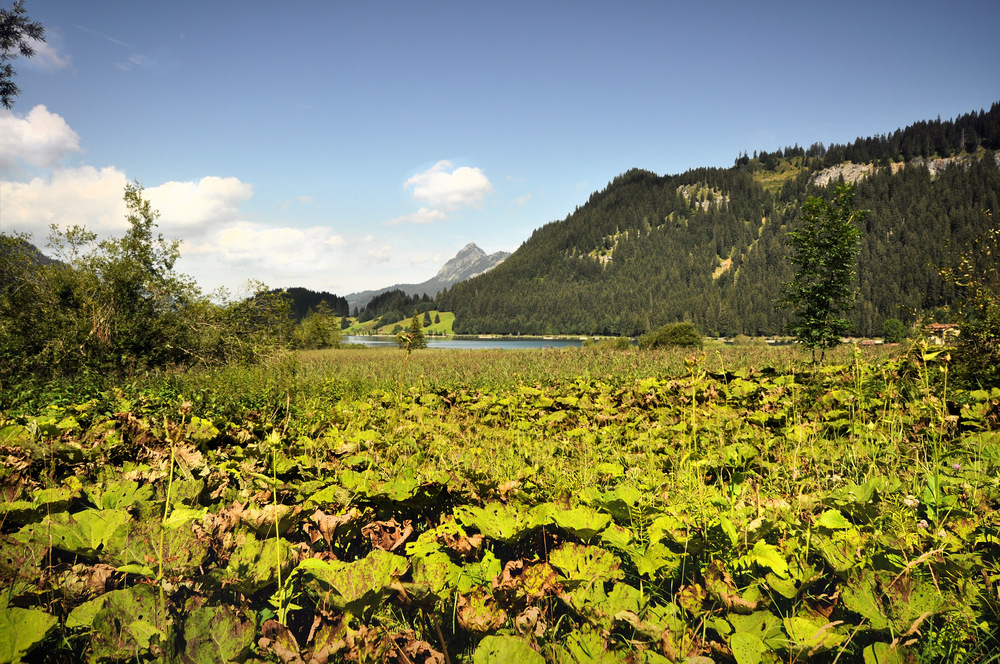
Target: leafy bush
[893,331]
[118,307]
[976,280]
[672,334]
[615,343]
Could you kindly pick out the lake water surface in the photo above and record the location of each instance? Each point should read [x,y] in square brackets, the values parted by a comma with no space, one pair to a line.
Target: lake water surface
[474,342]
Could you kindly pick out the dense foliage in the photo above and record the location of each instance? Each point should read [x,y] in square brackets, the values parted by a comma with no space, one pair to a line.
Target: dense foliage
[824,251]
[711,514]
[17,35]
[709,245]
[118,307]
[304,300]
[680,335]
[976,279]
[392,306]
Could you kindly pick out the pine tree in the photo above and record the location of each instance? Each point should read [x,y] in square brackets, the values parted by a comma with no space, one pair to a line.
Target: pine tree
[413,338]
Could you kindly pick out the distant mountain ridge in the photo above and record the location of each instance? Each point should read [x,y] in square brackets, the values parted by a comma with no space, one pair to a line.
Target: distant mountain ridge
[469,262]
[709,246]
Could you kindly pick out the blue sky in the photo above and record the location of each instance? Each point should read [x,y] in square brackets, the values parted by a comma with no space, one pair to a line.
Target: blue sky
[343,146]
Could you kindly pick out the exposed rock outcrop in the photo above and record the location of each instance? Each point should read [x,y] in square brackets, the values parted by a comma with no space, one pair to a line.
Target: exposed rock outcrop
[469,262]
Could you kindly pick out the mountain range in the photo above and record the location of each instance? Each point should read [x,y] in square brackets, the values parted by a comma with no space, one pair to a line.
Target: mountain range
[469,262]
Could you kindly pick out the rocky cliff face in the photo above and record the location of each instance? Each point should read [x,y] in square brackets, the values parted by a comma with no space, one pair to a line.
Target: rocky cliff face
[854,172]
[469,262]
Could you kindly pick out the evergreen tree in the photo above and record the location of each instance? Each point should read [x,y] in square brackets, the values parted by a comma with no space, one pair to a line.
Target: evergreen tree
[413,338]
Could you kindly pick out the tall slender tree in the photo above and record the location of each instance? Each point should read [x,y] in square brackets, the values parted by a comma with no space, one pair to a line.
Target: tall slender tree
[825,251]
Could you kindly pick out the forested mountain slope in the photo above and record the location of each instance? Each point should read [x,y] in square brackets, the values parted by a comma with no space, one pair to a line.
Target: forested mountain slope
[708,246]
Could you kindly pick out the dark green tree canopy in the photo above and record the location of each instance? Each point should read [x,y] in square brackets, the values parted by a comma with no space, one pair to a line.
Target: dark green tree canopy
[825,251]
[16,34]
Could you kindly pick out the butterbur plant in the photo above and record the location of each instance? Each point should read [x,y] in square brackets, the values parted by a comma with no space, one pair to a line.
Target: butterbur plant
[672,516]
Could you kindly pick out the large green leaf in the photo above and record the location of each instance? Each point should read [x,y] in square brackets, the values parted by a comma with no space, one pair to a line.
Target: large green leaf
[766,555]
[83,533]
[217,634]
[43,501]
[436,569]
[884,653]
[141,546]
[497,521]
[505,650]
[353,587]
[583,564]
[762,624]
[254,563]
[840,550]
[890,600]
[588,648]
[115,494]
[748,648]
[657,561]
[124,624]
[581,522]
[811,634]
[21,630]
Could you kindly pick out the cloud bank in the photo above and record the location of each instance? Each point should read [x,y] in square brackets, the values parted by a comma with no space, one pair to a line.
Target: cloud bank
[222,245]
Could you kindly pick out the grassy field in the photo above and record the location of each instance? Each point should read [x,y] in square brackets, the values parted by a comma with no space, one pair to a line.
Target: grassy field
[441,328]
[573,505]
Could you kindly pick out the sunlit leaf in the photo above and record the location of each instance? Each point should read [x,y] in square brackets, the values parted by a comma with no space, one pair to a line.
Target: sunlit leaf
[21,630]
[505,650]
[579,563]
[355,586]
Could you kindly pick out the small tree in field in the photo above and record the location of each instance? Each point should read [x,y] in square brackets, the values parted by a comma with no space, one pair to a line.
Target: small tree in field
[976,279]
[413,338]
[825,249]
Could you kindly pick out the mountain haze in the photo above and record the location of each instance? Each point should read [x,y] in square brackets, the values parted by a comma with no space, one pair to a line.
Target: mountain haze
[708,246]
[469,262]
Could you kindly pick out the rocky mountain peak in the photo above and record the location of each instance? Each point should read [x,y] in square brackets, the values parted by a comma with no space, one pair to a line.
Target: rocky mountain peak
[457,267]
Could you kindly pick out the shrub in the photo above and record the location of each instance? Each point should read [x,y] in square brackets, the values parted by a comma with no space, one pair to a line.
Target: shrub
[976,280]
[672,334]
[614,343]
[893,331]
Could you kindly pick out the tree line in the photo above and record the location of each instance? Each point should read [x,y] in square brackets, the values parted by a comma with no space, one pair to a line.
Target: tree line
[118,307]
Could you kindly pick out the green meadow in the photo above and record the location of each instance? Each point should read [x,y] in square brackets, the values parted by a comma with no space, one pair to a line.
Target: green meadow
[574,505]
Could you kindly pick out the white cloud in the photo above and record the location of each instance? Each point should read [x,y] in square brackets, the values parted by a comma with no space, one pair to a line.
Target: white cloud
[75,196]
[46,56]
[40,138]
[198,207]
[219,247]
[134,60]
[422,216]
[380,255]
[442,189]
[93,198]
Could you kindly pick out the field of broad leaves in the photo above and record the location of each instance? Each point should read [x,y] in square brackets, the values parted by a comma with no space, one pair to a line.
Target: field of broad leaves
[634,511]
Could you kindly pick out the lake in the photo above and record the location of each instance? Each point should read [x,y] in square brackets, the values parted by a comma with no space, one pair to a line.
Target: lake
[473,342]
